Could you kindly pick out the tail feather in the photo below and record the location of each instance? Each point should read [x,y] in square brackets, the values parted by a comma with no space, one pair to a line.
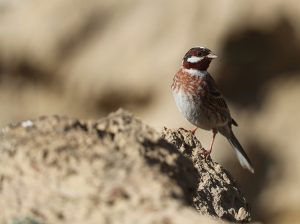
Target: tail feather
[241,154]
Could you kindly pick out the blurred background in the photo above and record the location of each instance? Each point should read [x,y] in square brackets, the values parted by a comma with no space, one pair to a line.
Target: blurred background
[88,58]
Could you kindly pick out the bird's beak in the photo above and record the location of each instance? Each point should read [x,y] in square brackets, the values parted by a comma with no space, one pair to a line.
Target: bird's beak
[211,55]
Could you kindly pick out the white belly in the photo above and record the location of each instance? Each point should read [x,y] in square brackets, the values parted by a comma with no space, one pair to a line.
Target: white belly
[192,111]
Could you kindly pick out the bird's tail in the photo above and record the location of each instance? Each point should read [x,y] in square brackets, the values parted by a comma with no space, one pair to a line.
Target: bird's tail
[241,154]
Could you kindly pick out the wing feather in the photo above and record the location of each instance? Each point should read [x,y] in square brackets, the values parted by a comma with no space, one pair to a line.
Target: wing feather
[217,102]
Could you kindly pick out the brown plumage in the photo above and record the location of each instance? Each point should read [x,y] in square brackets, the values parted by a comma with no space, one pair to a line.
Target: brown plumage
[198,98]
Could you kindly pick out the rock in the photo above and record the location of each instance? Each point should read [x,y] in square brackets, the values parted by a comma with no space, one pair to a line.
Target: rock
[114,170]
[216,194]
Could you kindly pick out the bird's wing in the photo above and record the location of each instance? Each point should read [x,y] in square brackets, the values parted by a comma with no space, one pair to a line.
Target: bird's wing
[217,102]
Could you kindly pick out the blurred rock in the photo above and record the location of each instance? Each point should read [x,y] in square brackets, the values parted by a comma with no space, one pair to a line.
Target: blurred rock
[277,124]
[262,55]
[114,170]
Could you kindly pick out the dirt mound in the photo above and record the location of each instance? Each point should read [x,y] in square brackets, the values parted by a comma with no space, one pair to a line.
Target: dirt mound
[114,170]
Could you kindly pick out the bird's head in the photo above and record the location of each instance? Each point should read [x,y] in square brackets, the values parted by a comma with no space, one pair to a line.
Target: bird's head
[198,58]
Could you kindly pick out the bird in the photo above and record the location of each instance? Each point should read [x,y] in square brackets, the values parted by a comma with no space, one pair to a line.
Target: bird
[202,104]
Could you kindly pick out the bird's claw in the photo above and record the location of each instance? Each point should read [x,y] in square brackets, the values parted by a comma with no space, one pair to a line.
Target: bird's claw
[205,153]
[192,131]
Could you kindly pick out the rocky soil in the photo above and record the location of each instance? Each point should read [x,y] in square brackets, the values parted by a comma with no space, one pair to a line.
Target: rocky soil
[113,170]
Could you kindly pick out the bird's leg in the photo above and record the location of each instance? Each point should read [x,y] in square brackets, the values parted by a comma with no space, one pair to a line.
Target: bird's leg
[208,152]
[193,131]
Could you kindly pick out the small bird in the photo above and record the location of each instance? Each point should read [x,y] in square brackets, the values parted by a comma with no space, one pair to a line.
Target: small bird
[197,97]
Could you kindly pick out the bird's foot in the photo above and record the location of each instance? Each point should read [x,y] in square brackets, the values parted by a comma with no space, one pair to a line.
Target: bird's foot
[192,131]
[205,153]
